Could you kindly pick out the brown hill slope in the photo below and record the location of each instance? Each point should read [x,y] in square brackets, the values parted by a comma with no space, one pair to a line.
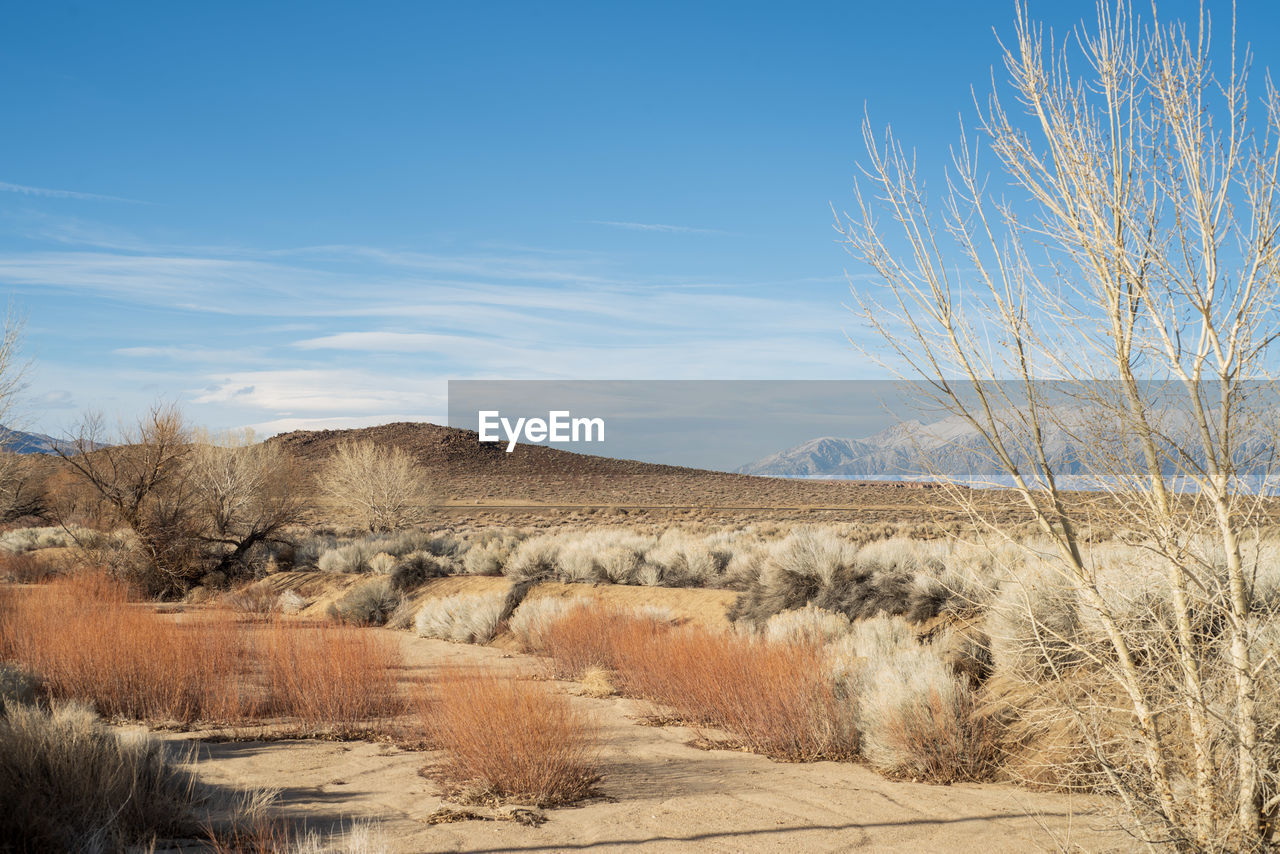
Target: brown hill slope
[470,472]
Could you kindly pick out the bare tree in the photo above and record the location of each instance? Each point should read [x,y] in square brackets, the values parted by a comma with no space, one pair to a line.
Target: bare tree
[194,503]
[381,488]
[1131,272]
[20,494]
[245,495]
[142,478]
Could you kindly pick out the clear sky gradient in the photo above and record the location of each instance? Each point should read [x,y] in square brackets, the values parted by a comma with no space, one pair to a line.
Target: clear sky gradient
[304,214]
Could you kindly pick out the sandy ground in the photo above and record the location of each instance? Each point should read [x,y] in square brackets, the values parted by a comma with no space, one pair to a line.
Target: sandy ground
[659,794]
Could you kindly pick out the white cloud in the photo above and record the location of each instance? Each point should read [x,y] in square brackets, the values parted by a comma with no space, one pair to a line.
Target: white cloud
[657,226]
[325,392]
[63,194]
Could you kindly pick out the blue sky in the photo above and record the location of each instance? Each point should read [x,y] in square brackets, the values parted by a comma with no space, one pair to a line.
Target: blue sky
[293,215]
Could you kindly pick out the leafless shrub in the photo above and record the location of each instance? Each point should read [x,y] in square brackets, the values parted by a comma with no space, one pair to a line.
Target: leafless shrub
[383,488]
[511,740]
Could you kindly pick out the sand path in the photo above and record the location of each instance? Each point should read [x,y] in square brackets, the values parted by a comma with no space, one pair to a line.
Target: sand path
[661,795]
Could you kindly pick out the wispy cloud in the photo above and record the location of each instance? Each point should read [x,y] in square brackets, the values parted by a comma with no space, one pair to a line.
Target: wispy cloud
[657,226]
[48,193]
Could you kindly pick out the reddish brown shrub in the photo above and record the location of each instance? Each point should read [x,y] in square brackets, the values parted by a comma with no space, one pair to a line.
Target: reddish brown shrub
[24,568]
[593,635]
[87,641]
[329,676]
[773,697]
[511,740]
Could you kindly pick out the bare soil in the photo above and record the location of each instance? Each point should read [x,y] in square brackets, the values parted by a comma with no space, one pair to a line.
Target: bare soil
[658,793]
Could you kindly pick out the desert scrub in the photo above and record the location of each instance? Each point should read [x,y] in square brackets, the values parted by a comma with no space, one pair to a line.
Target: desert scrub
[369,603]
[68,783]
[919,721]
[866,644]
[816,566]
[464,618]
[53,536]
[415,569]
[83,640]
[774,698]
[806,625]
[506,739]
[534,617]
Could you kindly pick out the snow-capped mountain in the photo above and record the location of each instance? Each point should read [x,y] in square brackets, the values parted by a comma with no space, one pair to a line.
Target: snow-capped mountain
[1074,443]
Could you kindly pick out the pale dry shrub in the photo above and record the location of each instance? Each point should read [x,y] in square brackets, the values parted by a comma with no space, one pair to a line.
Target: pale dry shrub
[690,561]
[506,739]
[819,566]
[47,537]
[531,620]
[254,600]
[596,682]
[291,602]
[369,603]
[68,783]
[865,645]
[17,686]
[415,569]
[1035,628]
[486,558]
[806,625]
[382,563]
[534,558]
[919,721]
[351,558]
[464,618]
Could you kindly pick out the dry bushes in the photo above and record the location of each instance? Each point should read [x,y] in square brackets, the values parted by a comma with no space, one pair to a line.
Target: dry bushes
[370,603]
[506,739]
[84,638]
[329,677]
[773,698]
[465,618]
[594,635]
[70,784]
[816,566]
[918,720]
[86,641]
[24,568]
[806,625]
[534,617]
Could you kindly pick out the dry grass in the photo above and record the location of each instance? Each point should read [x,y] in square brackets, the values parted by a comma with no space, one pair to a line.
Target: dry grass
[86,641]
[506,739]
[68,783]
